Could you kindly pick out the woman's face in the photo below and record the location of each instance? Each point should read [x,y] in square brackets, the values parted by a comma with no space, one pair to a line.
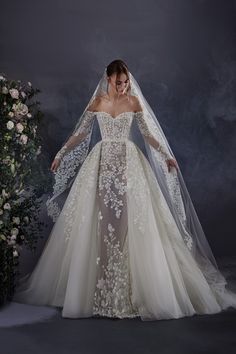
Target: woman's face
[119,83]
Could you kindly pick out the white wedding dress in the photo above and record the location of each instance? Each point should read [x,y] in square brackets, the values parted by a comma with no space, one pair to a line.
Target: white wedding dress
[115,249]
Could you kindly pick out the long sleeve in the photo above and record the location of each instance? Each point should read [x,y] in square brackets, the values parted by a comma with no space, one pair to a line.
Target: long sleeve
[78,136]
[146,132]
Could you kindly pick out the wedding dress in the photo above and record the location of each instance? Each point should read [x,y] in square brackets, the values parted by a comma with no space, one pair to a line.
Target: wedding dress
[116,248]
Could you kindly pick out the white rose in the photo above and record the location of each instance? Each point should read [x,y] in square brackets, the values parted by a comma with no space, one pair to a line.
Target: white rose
[14,231]
[15,253]
[11,114]
[24,109]
[4,90]
[10,125]
[14,93]
[7,206]
[29,115]
[24,138]
[20,108]
[16,220]
[19,127]
[2,78]
[11,242]
[13,237]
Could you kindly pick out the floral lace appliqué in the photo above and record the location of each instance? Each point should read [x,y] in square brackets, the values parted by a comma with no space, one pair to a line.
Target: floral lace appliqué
[113,291]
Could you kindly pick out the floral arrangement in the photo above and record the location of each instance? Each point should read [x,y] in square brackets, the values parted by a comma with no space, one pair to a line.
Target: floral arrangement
[22,178]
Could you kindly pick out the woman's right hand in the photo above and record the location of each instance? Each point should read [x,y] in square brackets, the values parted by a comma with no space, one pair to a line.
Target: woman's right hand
[55,164]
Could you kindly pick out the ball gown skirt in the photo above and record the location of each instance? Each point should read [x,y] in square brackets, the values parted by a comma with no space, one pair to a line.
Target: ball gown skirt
[115,249]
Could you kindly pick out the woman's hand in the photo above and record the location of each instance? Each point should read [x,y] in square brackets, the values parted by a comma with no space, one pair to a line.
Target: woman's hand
[171,163]
[55,164]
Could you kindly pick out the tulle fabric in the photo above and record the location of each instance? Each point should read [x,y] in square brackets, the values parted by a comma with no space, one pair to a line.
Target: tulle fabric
[74,152]
[165,280]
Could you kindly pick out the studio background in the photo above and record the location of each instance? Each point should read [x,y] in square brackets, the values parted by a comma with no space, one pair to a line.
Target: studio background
[183,55]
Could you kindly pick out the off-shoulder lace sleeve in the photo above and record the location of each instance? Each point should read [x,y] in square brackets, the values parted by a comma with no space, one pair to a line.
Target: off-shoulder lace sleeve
[149,136]
[78,136]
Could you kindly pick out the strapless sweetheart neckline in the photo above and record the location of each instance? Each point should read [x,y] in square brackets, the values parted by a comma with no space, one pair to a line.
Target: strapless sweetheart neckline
[118,115]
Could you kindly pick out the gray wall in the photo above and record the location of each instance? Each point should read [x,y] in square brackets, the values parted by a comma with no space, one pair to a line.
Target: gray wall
[182,53]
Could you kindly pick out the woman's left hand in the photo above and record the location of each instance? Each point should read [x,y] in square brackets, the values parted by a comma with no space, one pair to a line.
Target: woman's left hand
[171,163]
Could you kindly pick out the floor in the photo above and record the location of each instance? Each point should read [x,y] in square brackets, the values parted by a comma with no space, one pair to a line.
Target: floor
[210,334]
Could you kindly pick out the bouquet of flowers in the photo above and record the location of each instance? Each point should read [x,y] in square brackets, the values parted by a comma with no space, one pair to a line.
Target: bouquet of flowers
[22,177]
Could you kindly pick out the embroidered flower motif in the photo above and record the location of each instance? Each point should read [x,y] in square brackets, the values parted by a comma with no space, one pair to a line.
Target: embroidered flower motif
[100,283]
[113,290]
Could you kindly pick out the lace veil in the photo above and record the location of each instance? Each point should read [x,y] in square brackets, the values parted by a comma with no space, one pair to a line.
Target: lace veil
[84,137]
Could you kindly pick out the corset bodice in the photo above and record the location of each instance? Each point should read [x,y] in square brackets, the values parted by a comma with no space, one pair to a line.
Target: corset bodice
[117,128]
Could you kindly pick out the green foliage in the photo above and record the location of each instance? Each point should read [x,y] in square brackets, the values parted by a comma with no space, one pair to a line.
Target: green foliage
[22,180]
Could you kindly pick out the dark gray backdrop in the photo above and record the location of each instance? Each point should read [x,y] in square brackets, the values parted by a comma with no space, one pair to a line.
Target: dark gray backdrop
[183,55]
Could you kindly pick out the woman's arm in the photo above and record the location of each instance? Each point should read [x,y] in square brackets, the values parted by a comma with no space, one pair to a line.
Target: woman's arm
[76,138]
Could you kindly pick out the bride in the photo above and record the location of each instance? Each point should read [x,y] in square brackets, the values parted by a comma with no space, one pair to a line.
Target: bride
[126,241]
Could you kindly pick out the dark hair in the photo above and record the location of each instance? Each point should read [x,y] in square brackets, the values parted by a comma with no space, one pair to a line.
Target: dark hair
[117,67]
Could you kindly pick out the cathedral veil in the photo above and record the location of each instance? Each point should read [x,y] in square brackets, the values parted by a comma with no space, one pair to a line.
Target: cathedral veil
[171,183]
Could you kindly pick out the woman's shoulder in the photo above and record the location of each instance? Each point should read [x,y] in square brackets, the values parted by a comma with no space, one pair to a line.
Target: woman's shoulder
[135,103]
[94,104]
[98,102]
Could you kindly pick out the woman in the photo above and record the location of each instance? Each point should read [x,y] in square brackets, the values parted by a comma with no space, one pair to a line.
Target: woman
[127,241]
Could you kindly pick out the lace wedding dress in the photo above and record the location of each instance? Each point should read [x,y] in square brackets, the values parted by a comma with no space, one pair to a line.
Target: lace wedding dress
[115,249]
